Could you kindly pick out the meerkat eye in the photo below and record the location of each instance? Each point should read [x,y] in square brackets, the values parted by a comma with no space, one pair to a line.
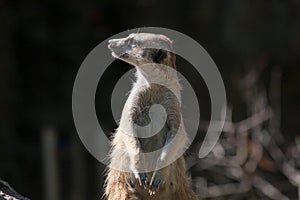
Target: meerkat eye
[159,55]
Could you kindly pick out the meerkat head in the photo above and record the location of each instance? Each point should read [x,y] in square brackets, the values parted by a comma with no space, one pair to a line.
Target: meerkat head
[143,48]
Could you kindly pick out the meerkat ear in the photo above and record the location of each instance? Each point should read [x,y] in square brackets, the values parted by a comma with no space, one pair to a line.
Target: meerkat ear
[159,55]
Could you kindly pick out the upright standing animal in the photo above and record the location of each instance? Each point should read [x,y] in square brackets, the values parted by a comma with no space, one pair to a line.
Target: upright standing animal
[135,173]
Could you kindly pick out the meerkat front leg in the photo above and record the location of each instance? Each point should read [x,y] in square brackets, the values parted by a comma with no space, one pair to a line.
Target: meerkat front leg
[168,150]
[136,163]
[173,147]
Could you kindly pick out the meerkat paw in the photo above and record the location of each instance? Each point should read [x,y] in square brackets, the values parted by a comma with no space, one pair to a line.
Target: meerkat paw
[155,182]
[142,178]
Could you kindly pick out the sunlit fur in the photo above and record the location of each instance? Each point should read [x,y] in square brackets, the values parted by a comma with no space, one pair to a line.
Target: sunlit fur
[124,185]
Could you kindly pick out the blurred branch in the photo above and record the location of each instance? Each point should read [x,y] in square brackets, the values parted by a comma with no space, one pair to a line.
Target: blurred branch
[250,154]
[268,189]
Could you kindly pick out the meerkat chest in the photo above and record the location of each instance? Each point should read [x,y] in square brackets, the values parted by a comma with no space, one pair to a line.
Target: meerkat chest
[149,99]
[149,108]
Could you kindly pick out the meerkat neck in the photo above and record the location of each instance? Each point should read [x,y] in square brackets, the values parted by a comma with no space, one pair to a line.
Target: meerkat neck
[158,74]
[152,73]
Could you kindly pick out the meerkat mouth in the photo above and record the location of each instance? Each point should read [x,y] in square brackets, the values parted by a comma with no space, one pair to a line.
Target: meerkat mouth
[114,55]
[116,52]
[119,56]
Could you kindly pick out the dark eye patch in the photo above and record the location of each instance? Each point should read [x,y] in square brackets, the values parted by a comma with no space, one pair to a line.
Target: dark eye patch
[159,55]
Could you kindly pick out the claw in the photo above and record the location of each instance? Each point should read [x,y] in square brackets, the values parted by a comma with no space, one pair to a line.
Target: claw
[155,182]
[151,192]
[143,179]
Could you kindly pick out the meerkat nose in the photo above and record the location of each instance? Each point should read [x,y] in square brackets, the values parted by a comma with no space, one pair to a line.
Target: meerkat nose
[112,40]
[116,45]
[111,43]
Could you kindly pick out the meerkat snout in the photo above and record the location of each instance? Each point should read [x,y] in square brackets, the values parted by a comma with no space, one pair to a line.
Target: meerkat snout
[118,47]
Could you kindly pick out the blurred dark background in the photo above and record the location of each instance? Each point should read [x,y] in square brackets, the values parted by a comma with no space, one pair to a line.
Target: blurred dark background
[42,44]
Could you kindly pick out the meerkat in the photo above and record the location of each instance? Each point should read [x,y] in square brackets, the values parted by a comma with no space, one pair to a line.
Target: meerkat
[143,129]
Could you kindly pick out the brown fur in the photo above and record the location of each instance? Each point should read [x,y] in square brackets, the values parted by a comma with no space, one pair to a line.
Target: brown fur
[125,185]
[119,186]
